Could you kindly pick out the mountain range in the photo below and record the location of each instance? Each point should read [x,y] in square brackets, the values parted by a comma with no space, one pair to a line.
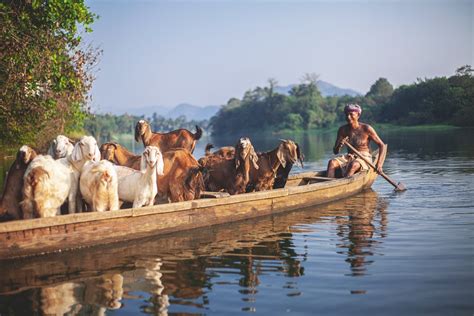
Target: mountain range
[198,113]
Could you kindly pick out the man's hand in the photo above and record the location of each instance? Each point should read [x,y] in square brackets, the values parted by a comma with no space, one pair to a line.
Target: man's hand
[379,168]
[342,143]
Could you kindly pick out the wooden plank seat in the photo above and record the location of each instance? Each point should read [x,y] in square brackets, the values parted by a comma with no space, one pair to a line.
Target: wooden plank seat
[316,179]
[213,195]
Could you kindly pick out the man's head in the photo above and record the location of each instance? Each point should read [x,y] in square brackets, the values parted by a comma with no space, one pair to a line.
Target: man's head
[353,107]
[352,112]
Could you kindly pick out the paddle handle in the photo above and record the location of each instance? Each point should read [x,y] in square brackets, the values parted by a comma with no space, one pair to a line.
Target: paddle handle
[369,163]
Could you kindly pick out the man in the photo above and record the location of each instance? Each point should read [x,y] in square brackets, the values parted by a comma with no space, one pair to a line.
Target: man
[358,135]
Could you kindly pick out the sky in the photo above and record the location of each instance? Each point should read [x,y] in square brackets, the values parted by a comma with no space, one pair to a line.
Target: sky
[163,53]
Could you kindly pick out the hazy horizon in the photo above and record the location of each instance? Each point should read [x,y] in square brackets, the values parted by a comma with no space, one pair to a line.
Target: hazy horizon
[165,53]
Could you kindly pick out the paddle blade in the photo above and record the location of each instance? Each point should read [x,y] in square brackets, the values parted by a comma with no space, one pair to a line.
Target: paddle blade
[400,187]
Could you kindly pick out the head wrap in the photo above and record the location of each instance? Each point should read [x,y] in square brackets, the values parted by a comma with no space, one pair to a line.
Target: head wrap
[353,107]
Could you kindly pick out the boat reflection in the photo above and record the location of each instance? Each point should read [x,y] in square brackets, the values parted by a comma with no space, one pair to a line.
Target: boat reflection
[181,268]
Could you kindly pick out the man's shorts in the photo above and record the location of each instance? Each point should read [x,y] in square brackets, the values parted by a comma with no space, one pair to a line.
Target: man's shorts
[345,160]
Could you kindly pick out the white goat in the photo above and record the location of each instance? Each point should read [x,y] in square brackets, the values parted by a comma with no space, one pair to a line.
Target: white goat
[60,147]
[48,183]
[140,187]
[99,186]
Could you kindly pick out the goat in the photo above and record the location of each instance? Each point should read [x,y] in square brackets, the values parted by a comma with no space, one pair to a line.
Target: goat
[140,187]
[181,138]
[231,175]
[182,179]
[119,155]
[227,152]
[60,147]
[283,172]
[99,186]
[10,201]
[269,162]
[48,182]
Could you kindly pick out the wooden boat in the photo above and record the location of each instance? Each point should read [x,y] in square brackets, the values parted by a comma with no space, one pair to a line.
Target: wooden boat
[43,235]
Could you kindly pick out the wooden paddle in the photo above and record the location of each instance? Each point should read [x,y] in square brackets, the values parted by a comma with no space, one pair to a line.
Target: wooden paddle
[398,187]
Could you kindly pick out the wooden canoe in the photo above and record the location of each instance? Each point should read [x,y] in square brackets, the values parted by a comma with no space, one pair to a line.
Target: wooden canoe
[44,235]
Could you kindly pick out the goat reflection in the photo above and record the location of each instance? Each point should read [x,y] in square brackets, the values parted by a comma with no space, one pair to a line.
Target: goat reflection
[91,297]
[146,277]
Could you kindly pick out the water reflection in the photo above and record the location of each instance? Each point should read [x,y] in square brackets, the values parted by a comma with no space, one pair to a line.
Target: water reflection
[92,296]
[366,217]
[180,271]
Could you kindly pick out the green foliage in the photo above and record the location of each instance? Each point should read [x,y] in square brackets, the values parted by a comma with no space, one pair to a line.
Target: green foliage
[380,90]
[263,108]
[44,73]
[433,101]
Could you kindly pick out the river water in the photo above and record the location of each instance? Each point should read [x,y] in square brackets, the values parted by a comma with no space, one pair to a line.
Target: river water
[379,252]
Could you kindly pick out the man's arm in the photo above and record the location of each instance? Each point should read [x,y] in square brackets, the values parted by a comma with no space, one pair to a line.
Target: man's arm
[338,145]
[382,148]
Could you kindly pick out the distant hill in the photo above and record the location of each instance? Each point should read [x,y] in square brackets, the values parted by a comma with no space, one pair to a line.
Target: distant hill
[326,88]
[193,112]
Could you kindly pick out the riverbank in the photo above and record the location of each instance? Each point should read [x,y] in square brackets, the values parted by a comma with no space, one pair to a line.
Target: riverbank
[379,127]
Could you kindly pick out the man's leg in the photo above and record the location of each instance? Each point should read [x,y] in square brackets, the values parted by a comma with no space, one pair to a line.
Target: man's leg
[353,168]
[333,164]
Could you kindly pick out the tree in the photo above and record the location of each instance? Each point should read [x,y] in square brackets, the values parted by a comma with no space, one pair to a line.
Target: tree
[45,74]
[381,89]
[465,70]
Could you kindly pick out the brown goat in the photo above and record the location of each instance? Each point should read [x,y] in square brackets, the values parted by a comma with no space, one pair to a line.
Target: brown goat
[230,175]
[227,152]
[119,155]
[182,179]
[269,162]
[283,172]
[180,138]
[10,201]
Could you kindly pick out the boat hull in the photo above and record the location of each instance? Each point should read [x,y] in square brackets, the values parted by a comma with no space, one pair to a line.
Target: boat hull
[45,235]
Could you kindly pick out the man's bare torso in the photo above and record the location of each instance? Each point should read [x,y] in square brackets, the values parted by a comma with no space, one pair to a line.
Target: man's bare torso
[358,137]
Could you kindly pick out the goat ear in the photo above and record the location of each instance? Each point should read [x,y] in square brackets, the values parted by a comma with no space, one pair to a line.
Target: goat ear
[96,153]
[138,131]
[281,155]
[237,155]
[160,165]
[300,154]
[237,161]
[254,158]
[51,150]
[143,161]
[76,154]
